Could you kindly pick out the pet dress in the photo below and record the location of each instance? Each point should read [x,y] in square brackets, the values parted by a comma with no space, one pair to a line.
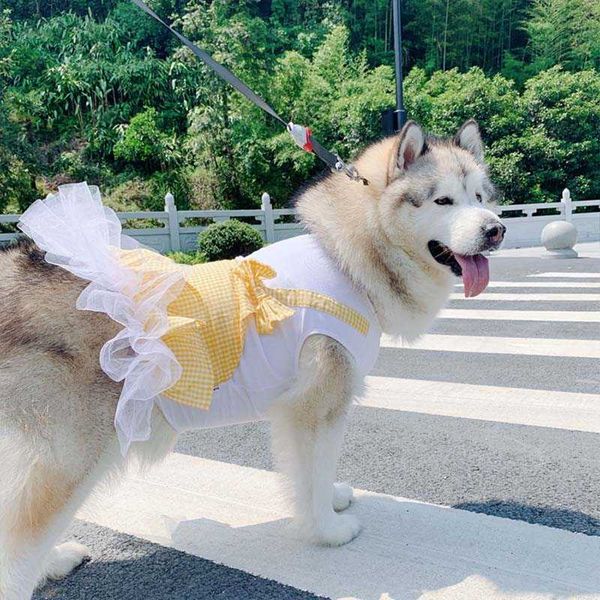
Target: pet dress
[209,345]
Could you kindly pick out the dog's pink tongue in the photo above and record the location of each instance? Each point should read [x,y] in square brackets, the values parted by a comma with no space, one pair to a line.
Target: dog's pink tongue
[475,273]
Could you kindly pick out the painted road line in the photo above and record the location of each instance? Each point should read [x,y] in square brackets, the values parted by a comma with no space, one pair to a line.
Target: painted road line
[517,406]
[521,315]
[499,345]
[237,516]
[531,297]
[520,329]
[567,274]
[540,284]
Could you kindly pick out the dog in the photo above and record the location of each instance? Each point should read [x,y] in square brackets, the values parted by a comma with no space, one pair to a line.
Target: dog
[423,219]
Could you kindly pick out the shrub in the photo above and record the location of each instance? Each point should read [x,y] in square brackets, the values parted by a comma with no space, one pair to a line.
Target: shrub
[538,141]
[221,241]
[143,143]
[187,258]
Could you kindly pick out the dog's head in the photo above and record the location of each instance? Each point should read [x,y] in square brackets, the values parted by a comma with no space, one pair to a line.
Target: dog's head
[436,202]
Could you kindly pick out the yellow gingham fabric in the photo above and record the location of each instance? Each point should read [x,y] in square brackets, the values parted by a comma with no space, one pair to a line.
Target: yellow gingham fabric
[310,299]
[208,317]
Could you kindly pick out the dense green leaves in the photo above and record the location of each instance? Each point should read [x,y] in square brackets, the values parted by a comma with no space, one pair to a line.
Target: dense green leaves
[143,144]
[187,258]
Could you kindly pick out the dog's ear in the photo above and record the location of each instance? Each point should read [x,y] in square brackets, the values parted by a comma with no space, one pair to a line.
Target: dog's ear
[407,148]
[469,138]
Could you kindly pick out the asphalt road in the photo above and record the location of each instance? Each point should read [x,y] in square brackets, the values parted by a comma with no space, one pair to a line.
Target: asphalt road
[505,467]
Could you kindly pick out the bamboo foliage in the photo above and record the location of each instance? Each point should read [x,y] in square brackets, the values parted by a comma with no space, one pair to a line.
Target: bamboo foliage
[564,32]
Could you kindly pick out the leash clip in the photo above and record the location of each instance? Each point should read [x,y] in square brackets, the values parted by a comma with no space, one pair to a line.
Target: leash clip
[350,170]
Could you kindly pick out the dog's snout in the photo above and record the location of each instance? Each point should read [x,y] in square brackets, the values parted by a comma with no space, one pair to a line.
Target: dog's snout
[494,233]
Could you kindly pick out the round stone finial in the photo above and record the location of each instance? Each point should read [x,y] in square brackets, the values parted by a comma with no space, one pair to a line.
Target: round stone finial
[559,237]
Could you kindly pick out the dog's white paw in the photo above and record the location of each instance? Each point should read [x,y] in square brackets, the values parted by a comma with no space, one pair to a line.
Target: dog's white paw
[337,531]
[342,496]
[64,558]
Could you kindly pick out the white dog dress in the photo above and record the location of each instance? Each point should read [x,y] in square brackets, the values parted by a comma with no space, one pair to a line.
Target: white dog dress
[209,345]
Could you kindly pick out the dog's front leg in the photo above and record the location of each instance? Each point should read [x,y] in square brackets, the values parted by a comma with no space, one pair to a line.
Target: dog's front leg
[308,432]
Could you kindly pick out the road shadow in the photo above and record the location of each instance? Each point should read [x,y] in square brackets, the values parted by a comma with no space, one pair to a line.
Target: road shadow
[124,567]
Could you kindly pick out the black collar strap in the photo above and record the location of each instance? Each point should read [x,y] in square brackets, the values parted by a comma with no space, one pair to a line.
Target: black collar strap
[302,135]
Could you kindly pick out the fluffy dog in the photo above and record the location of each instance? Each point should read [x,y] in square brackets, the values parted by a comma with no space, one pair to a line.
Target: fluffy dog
[423,219]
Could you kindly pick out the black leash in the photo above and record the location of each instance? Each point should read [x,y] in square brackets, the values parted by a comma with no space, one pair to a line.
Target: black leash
[302,135]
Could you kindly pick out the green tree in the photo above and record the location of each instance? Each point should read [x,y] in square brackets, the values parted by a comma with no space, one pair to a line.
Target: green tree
[561,145]
[335,92]
[97,90]
[17,182]
[537,143]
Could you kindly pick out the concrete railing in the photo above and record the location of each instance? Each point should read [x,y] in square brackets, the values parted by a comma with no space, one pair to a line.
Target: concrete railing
[173,229]
[525,222]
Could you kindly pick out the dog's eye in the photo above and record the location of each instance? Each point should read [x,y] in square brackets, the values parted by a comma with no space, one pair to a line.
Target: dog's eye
[445,201]
[478,196]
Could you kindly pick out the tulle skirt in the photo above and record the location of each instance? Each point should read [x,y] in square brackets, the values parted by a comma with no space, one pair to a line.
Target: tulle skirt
[81,235]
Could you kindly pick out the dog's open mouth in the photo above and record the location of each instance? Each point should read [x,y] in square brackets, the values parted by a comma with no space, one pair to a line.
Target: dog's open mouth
[474,269]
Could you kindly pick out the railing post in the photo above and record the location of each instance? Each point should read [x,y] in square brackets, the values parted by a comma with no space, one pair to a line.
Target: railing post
[568,204]
[171,211]
[269,219]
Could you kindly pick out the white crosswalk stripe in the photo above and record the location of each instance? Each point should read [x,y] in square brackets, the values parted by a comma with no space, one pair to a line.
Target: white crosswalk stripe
[561,410]
[522,315]
[499,345]
[559,297]
[567,275]
[540,284]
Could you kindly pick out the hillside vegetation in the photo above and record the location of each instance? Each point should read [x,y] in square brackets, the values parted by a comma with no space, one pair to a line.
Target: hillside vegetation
[95,90]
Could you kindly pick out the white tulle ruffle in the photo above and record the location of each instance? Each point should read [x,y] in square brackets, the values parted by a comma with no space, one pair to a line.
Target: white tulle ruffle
[82,236]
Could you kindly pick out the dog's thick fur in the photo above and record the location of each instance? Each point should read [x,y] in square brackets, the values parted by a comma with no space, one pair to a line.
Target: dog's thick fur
[57,439]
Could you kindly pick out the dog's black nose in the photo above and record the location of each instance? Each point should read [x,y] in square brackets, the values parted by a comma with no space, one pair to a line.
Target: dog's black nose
[494,233]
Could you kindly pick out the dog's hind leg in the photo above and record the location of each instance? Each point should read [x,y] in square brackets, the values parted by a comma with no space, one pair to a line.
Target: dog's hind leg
[31,502]
[27,502]
[36,506]
[308,433]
